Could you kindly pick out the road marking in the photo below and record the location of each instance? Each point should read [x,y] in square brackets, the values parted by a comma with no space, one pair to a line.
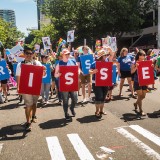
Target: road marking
[55,149]
[152,137]
[1,146]
[80,147]
[149,151]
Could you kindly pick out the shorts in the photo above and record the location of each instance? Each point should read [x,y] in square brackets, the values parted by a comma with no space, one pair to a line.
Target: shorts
[100,93]
[125,74]
[85,78]
[137,87]
[4,81]
[29,100]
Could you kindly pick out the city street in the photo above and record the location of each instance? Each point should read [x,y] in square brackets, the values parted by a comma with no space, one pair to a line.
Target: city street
[125,135]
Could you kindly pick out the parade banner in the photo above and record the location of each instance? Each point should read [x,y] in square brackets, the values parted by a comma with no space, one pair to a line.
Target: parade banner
[111,42]
[104,74]
[46,42]
[4,72]
[30,79]
[154,54]
[114,75]
[68,81]
[70,36]
[47,77]
[36,48]
[86,61]
[145,73]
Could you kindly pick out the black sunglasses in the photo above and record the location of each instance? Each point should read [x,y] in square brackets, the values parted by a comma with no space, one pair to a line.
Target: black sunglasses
[27,53]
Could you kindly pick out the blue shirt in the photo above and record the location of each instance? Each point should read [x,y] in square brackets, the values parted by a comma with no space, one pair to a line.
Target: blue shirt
[125,62]
[70,62]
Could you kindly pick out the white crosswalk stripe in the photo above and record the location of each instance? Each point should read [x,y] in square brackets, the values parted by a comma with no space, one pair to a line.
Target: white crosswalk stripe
[56,151]
[55,148]
[149,151]
[80,147]
[1,146]
[152,137]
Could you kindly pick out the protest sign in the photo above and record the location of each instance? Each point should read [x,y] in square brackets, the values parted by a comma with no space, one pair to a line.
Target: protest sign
[104,74]
[86,61]
[68,81]
[4,72]
[47,77]
[46,42]
[70,36]
[36,48]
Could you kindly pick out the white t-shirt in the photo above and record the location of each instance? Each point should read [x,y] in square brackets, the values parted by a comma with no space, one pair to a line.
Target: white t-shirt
[18,70]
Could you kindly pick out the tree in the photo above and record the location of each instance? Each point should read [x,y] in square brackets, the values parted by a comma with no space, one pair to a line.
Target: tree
[9,35]
[94,19]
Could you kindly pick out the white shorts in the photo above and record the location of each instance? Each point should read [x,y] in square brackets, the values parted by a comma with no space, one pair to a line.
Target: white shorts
[29,100]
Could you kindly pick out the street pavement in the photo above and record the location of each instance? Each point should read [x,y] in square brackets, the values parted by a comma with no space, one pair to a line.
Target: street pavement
[119,135]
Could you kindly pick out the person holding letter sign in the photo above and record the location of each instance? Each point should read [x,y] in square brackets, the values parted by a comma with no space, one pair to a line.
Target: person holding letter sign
[141,90]
[99,91]
[65,95]
[29,100]
[85,78]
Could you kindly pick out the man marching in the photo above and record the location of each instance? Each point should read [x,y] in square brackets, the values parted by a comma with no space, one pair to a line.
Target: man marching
[29,100]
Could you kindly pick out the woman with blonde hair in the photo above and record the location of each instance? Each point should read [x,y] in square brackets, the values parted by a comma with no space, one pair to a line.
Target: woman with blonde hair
[124,69]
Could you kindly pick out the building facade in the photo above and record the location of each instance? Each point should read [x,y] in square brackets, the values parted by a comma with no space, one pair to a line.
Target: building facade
[42,19]
[147,38]
[8,16]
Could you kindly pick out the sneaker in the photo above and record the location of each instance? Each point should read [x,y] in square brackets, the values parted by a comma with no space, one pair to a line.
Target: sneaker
[90,100]
[73,112]
[67,117]
[34,119]
[84,100]
[28,127]
[46,102]
[6,100]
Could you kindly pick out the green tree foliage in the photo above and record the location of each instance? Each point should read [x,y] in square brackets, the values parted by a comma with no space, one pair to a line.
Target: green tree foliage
[93,19]
[9,35]
[35,36]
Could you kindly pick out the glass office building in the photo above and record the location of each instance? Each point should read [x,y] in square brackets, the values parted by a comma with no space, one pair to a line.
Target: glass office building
[8,15]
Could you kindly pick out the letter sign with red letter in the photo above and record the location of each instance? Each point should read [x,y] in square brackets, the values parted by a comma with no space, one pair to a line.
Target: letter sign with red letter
[104,74]
[145,73]
[68,81]
[30,79]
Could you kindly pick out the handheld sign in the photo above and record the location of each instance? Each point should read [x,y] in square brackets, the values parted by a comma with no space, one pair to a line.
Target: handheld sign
[68,81]
[104,74]
[86,61]
[30,79]
[70,36]
[4,73]
[114,75]
[145,73]
[46,42]
[47,77]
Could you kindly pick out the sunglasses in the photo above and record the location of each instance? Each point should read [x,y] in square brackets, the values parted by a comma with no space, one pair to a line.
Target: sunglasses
[67,54]
[142,55]
[27,53]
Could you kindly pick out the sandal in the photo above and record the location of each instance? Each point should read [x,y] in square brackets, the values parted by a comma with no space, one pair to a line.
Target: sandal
[97,115]
[142,113]
[104,113]
[135,107]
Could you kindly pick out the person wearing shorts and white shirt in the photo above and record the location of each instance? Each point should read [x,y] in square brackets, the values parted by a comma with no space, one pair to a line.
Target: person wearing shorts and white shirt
[29,100]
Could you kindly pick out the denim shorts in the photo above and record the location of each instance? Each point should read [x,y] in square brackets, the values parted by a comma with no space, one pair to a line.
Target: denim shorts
[29,100]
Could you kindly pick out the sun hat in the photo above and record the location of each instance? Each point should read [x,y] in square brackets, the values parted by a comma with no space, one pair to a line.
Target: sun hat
[65,51]
[101,53]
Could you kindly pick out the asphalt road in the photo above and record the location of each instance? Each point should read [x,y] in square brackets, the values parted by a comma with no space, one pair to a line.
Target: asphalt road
[122,134]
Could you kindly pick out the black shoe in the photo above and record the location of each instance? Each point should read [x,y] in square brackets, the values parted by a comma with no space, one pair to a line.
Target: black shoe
[67,117]
[73,112]
[28,127]
[34,119]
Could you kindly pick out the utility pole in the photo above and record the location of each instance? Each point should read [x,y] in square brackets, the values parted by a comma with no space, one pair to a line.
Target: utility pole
[158,24]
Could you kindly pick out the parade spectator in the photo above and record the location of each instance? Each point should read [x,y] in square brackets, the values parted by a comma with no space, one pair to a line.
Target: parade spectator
[29,100]
[99,91]
[66,61]
[141,90]
[124,70]
[85,78]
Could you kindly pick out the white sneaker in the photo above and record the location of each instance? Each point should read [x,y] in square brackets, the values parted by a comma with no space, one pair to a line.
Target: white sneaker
[89,99]
[84,100]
